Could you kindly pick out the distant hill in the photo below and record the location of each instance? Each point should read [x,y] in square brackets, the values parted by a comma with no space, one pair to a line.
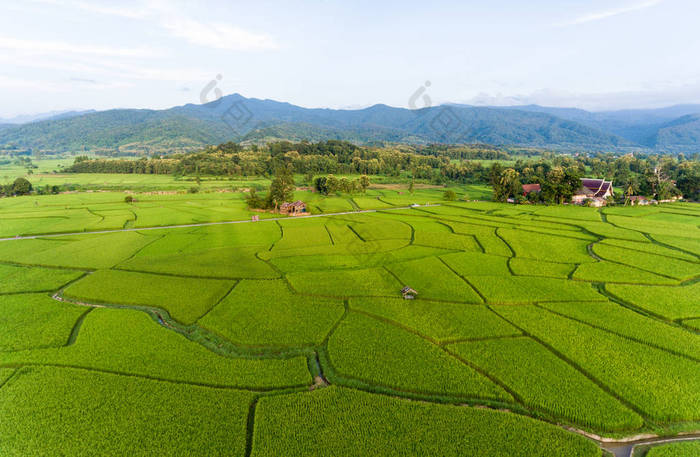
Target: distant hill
[27,118]
[250,120]
[652,128]
[679,134]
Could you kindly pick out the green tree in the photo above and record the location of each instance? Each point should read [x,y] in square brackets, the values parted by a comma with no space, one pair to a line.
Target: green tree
[21,186]
[253,200]
[631,190]
[507,185]
[364,182]
[561,184]
[321,185]
[449,195]
[281,188]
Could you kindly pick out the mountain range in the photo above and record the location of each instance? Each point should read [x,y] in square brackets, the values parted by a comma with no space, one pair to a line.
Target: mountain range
[236,118]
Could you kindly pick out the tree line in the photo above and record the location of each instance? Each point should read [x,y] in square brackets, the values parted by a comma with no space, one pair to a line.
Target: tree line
[658,176]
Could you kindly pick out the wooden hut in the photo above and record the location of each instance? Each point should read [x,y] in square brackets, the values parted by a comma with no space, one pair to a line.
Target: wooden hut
[408,293]
[293,208]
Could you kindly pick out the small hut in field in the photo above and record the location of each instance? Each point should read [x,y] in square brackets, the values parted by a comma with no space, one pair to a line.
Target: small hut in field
[408,293]
[293,208]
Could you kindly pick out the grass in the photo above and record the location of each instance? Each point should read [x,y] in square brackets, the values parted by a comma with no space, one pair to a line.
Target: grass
[186,299]
[617,273]
[35,320]
[663,265]
[130,342]
[531,267]
[477,264]
[652,248]
[547,383]
[512,312]
[351,423]
[366,349]
[609,231]
[5,374]
[222,263]
[660,384]
[623,321]
[523,290]
[80,251]
[63,411]
[266,313]
[443,322]
[671,302]
[680,242]
[687,449]
[559,249]
[15,279]
[434,280]
[367,282]
[362,255]
[655,227]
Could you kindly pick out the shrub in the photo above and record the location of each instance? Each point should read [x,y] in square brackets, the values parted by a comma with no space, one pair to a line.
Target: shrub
[449,195]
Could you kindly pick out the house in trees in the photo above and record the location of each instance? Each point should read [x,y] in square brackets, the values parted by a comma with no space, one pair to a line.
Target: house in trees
[294,208]
[639,200]
[528,188]
[594,191]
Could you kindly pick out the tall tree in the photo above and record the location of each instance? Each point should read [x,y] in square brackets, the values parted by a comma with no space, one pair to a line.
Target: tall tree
[281,188]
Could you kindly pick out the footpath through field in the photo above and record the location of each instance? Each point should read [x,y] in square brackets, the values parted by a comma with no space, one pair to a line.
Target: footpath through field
[627,449]
[205,224]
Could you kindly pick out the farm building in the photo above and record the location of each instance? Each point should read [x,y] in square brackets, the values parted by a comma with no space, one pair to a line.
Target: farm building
[595,190]
[408,293]
[527,188]
[639,200]
[293,208]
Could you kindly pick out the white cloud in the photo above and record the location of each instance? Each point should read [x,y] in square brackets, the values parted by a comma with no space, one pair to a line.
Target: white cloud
[58,47]
[656,96]
[131,12]
[34,85]
[216,35]
[600,15]
[167,16]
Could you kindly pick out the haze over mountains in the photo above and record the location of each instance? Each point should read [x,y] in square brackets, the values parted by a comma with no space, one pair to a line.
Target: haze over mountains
[236,118]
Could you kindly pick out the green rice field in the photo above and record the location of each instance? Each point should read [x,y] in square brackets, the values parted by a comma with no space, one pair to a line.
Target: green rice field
[174,325]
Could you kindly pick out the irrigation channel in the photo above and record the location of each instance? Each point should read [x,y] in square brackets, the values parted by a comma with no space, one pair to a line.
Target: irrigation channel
[629,448]
[206,224]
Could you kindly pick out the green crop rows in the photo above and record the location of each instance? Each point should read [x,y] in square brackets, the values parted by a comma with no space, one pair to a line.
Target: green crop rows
[689,449]
[291,336]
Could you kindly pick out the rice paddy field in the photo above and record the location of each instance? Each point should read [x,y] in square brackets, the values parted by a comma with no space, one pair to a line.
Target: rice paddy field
[159,328]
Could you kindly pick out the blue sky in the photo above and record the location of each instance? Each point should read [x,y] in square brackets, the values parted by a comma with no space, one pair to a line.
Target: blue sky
[65,54]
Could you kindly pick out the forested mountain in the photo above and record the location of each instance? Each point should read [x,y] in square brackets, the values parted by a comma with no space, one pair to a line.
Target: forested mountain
[250,120]
[52,115]
[670,128]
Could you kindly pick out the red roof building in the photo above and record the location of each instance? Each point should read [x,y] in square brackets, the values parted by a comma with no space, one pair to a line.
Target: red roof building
[527,188]
[596,190]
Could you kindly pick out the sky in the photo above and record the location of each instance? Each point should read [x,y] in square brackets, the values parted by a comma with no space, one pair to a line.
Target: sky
[595,55]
